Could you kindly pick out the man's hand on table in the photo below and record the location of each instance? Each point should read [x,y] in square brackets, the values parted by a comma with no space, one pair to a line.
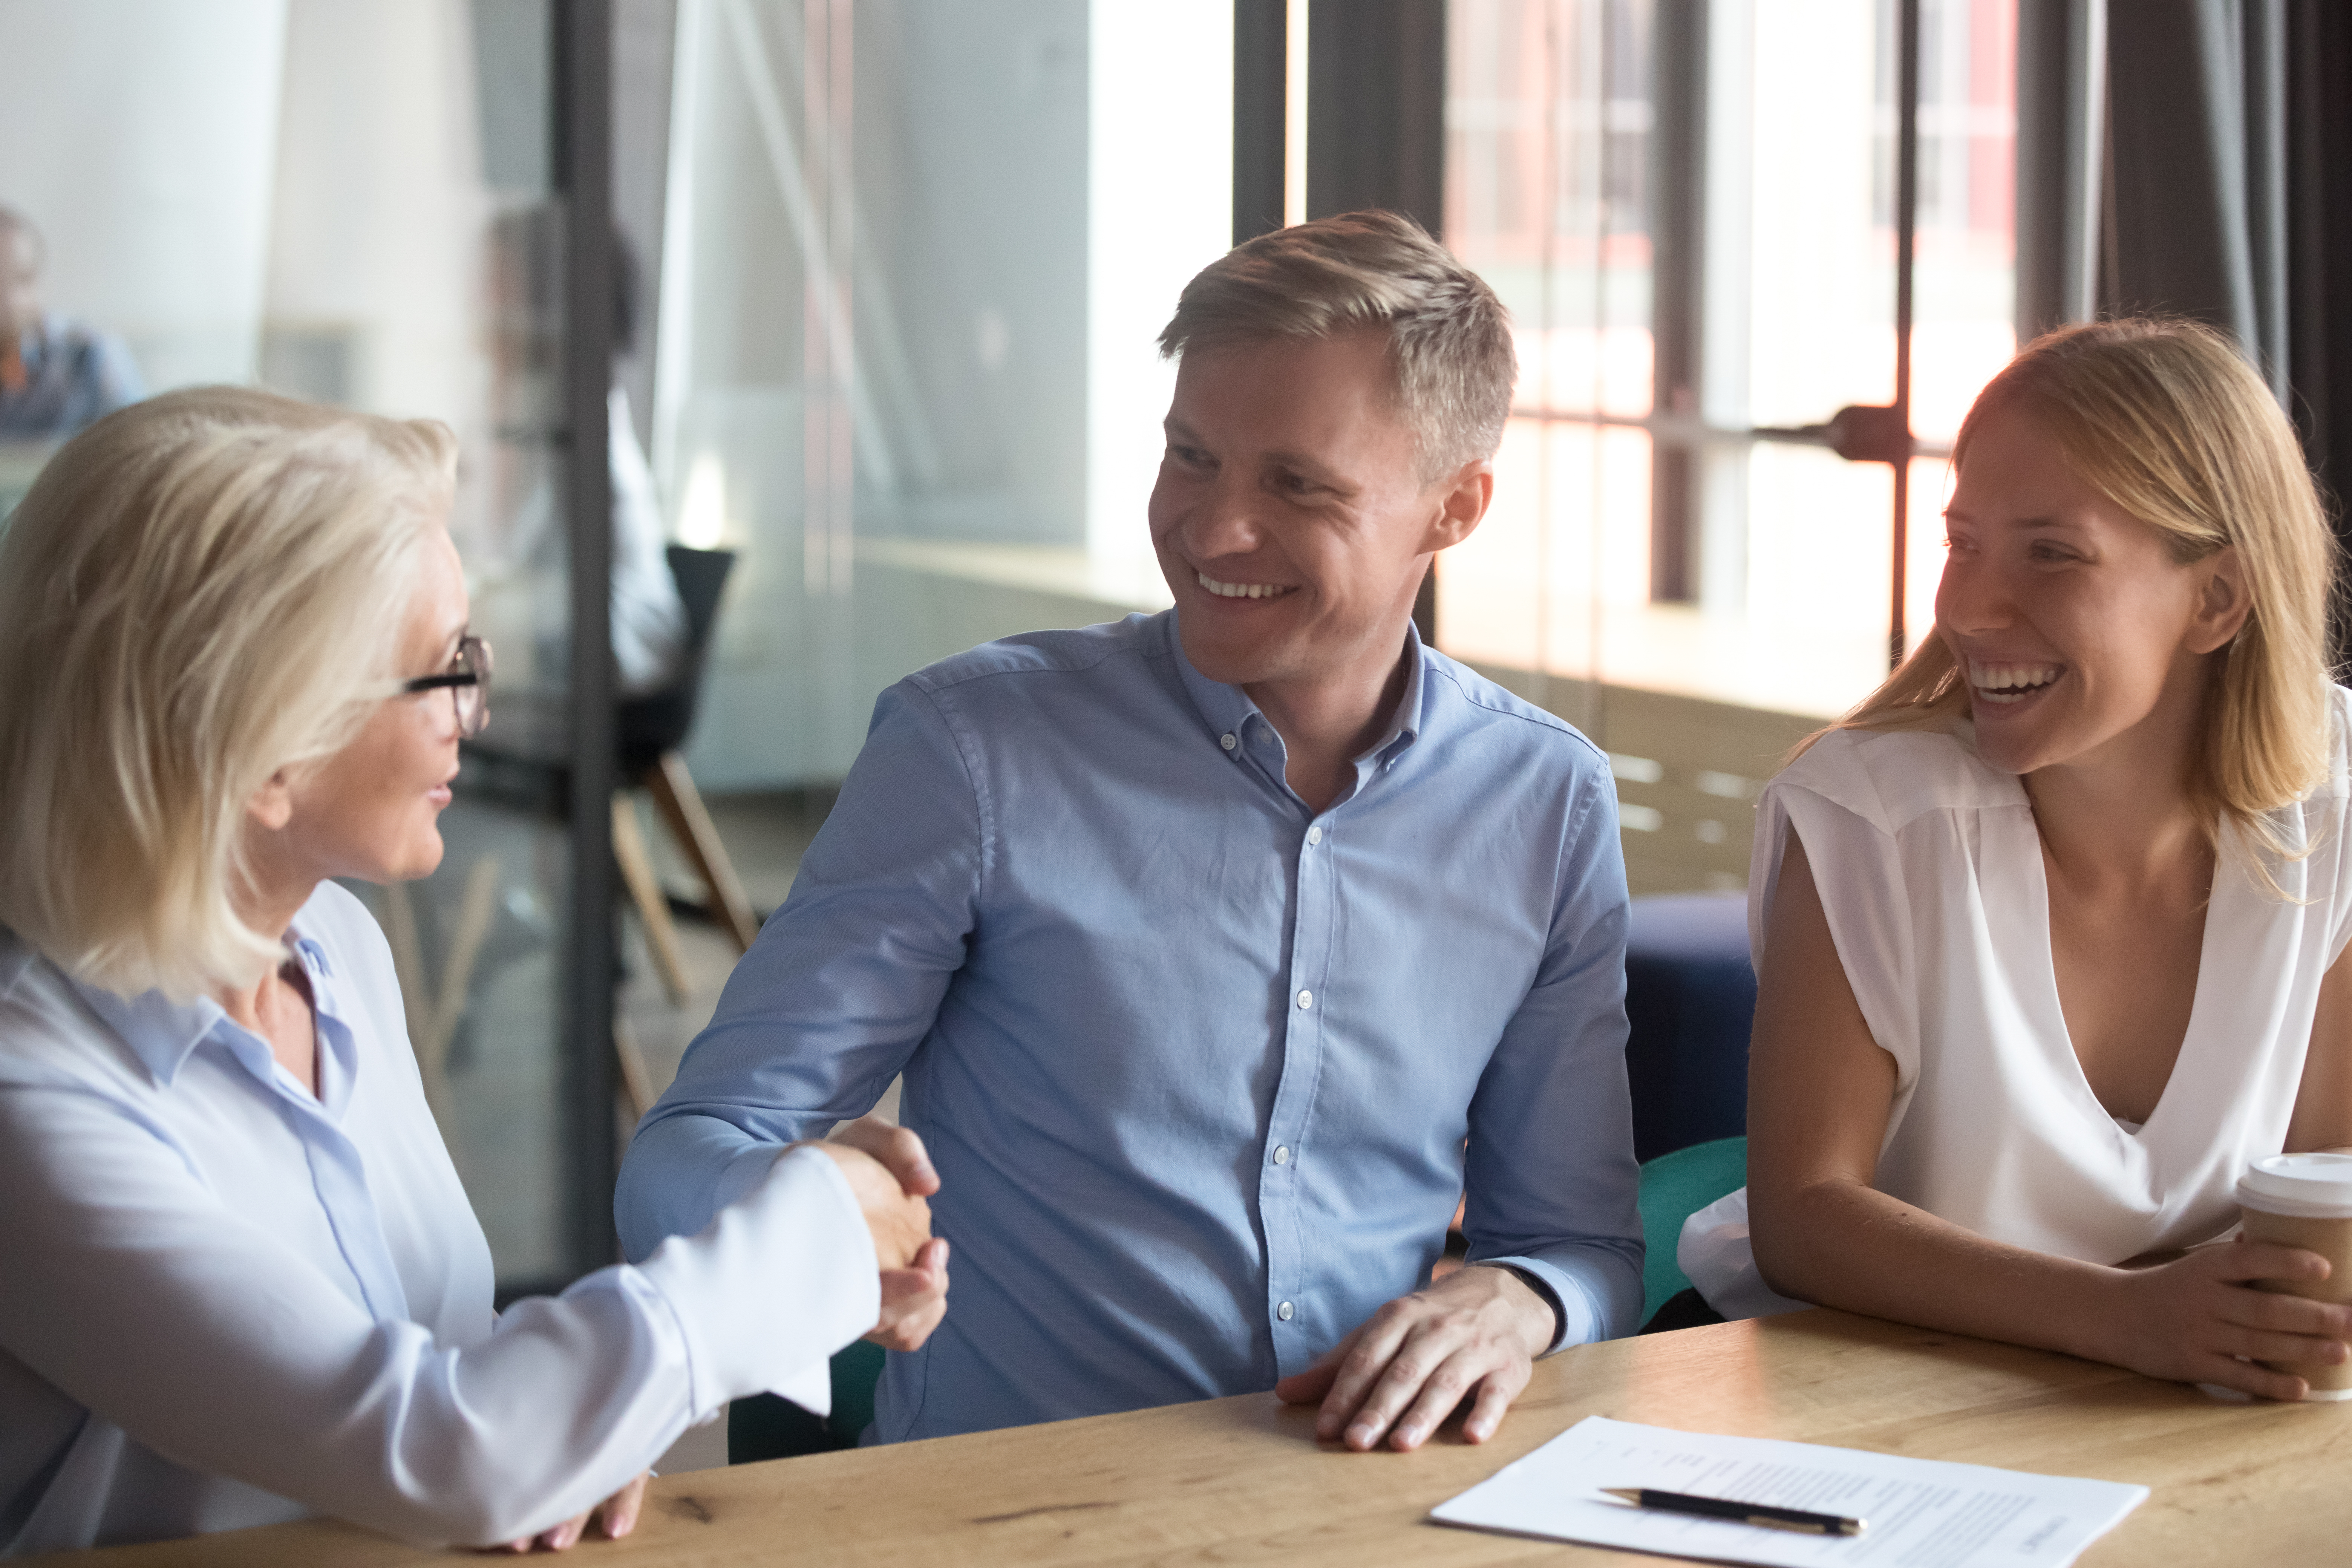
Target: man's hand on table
[1407,1367]
[892,1177]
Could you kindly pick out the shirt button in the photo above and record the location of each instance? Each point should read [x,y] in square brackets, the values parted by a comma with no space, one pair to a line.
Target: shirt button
[1314,835]
[1282,1154]
[1227,741]
[1306,998]
[1283,1311]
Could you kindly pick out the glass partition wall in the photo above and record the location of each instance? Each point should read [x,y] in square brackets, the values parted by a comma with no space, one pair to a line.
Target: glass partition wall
[1691,207]
[364,203]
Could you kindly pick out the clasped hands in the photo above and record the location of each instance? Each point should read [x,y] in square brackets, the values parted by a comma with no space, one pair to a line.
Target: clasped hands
[892,1178]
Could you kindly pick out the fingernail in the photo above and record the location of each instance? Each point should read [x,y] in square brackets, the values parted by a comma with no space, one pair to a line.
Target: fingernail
[1409,1436]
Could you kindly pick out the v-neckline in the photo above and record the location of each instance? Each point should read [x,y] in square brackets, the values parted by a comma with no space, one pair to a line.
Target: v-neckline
[2081,1080]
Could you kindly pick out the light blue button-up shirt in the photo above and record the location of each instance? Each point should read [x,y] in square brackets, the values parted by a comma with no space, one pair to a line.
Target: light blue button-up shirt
[1196,1063]
[227,1301]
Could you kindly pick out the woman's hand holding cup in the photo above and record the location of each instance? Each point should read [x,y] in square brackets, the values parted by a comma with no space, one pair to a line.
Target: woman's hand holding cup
[2215,1316]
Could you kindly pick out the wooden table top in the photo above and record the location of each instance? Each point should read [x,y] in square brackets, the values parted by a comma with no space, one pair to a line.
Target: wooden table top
[1243,1479]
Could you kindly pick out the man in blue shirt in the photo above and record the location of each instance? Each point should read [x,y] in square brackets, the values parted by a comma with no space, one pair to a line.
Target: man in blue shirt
[1205,940]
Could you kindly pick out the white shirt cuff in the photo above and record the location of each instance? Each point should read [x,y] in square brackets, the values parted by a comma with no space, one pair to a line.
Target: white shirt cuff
[777,1282]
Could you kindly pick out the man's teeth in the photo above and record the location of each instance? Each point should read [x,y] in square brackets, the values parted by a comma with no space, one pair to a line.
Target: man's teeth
[2010,682]
[1242,590]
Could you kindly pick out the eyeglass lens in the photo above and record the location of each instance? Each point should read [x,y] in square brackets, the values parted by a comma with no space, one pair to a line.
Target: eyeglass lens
[474,700]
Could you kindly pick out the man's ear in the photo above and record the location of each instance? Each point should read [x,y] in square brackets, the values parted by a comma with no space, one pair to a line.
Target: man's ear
[271,806]
[1462,501]
[2222,601]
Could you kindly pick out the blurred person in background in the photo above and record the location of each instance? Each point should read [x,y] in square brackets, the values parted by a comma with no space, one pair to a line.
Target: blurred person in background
[57,374]
[243,1283]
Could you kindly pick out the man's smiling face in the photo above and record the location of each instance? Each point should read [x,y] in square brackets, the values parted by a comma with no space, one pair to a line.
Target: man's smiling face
[1291,518]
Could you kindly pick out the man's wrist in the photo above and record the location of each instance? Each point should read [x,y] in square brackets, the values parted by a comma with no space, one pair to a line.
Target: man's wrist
[1541,1289]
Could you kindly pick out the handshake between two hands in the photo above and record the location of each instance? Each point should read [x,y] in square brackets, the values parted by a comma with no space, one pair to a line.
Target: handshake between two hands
[892,1178]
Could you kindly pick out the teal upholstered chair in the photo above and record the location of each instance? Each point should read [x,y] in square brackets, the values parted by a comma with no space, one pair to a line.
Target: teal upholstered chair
[767,1428]
[1674,1187]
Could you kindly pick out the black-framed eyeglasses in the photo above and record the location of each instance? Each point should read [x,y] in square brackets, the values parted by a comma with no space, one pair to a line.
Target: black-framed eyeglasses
[468,681]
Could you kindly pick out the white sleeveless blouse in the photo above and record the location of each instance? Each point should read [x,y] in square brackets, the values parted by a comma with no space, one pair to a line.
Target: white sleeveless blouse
[1931,872]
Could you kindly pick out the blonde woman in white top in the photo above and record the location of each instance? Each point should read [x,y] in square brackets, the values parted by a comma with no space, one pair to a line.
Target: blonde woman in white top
[2047,931]
[240,1281]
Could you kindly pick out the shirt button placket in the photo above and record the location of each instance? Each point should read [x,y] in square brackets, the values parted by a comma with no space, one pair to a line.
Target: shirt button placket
[1292,1271]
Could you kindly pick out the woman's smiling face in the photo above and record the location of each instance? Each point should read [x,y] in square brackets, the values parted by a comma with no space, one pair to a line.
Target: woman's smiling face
[2073,623]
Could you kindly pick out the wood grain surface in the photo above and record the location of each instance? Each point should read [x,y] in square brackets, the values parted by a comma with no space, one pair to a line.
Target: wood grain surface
[1243,1480]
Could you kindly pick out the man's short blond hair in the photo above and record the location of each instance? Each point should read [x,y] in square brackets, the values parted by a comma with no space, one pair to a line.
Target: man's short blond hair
[198,592]
[1449,336]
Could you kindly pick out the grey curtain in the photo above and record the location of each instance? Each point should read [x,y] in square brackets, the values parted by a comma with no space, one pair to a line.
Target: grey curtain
[2319,235]
[2196,197]
[2062,138]
[2195,156]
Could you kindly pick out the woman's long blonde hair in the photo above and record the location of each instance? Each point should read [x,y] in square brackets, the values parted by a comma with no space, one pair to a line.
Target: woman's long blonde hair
[2164,419]
[197,592]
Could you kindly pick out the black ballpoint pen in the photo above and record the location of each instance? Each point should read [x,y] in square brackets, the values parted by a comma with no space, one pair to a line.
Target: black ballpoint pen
[1738,1513]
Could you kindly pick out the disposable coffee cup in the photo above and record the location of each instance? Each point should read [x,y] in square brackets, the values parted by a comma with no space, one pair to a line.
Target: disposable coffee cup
[2306,1201]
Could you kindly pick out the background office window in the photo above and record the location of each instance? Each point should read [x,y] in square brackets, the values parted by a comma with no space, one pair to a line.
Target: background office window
[1689,209]
[913,256]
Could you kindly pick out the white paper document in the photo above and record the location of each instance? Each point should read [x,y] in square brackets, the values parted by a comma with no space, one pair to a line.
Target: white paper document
[1921,1514]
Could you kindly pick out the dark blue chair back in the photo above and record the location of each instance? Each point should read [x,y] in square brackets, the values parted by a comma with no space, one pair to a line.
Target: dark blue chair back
[1690,998]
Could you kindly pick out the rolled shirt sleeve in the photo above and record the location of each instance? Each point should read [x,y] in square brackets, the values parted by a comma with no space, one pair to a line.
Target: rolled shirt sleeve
[1553,1183]
[839,989]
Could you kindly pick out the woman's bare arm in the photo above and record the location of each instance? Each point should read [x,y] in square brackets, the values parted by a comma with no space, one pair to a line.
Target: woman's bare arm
[2323,1104]
[1819,1092]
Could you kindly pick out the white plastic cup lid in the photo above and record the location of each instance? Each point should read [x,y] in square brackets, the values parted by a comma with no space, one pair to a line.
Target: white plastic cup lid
[2310,1186]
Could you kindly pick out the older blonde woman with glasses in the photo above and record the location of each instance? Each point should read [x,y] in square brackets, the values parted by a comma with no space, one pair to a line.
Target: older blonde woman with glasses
[242,1283]
[2049,930]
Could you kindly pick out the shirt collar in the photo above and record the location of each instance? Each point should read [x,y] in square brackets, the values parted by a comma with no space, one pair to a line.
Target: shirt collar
[1228,708]
[162,1032]
[1404,729]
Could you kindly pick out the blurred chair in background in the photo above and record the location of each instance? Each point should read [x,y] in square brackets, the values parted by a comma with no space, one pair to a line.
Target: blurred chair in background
[652,729]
